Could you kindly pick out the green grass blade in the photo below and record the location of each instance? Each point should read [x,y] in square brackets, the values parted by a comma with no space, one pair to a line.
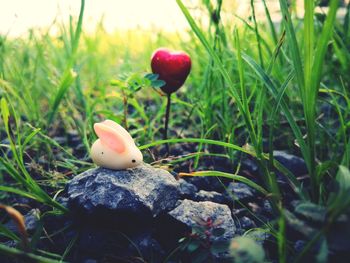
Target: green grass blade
[308,44]
[196,140]
[257,35]
[17,191]
[68,75]
[229,176]
[293,45]
[291,178]
[5,114]
[64,85]
[282,238]
[24,256]
[8,233]
[322,45]
[274,92]
[225,74]
[272,27]
[210,50]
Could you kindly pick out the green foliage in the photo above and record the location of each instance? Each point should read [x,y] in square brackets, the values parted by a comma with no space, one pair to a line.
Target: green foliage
[135,82]
[155,82]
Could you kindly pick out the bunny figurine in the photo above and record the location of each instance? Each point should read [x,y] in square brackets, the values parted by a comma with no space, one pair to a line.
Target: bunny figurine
[115,149]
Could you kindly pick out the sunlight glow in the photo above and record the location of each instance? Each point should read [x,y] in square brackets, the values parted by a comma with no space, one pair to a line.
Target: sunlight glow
[17,16]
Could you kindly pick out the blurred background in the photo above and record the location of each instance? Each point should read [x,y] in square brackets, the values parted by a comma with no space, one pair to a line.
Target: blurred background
[17,16]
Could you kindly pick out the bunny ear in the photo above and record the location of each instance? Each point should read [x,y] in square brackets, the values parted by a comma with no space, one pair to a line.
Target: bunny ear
[119,129]
[110,138]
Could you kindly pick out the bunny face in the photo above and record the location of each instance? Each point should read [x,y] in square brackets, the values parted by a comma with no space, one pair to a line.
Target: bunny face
[115,149]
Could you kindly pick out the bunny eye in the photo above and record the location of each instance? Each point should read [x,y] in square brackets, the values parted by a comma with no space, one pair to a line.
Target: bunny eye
[133,161]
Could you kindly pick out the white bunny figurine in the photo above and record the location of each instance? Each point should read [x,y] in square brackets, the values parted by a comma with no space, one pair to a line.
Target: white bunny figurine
[115,149]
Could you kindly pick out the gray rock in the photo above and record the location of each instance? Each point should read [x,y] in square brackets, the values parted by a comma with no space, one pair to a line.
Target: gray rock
[145,245]
[239,212]
[240,192]
[190,212]
[245,223]
[142,190]
[259,236]
[299,245]
[267,209]
[208,183]
[212,196]
[187,190]
[32,219]
[293,163]
[249,166]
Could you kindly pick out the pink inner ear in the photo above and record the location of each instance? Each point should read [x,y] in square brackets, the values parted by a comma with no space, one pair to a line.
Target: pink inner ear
[109,137]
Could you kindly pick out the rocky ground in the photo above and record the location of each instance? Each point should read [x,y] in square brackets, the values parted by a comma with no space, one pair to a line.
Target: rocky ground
[147,214]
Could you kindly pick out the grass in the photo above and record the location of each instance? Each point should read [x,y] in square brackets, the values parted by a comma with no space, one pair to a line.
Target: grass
[250,78]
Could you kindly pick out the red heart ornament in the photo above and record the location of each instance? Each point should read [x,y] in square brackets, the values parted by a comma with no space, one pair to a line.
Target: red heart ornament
[172,66]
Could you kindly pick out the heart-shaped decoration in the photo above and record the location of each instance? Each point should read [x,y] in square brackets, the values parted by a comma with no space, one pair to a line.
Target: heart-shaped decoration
[172,66]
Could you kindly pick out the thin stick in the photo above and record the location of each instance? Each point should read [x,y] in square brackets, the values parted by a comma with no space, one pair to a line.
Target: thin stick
[167,113]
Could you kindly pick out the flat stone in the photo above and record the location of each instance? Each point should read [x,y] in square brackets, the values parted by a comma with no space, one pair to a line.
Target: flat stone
[142,190]
[190,212]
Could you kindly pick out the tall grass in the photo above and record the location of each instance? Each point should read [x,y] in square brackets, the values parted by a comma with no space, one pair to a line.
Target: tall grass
[250,78]
[309,80]
[306,71]
[68,75]
[18,170]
